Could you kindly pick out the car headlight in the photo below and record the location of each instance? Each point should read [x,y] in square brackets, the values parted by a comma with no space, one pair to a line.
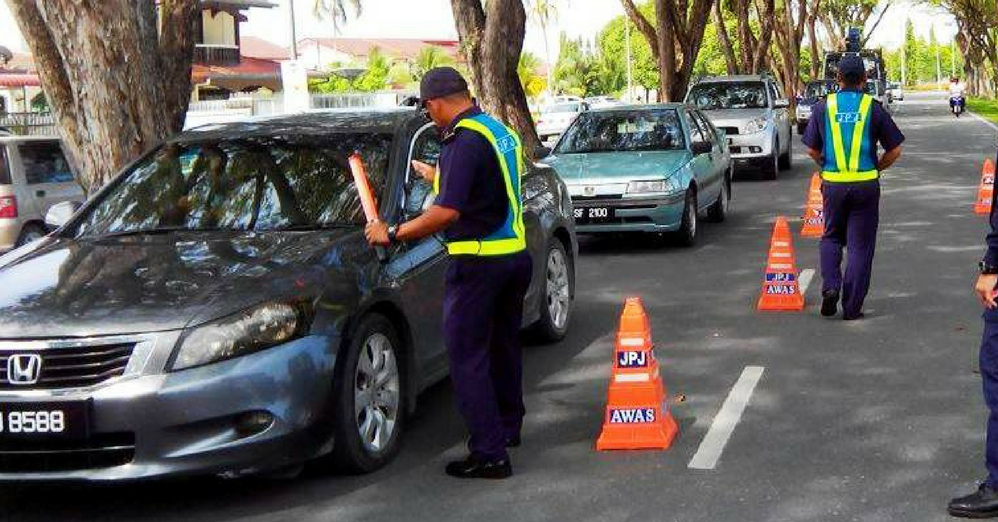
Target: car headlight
[756,125]
[239,334]
[663,186]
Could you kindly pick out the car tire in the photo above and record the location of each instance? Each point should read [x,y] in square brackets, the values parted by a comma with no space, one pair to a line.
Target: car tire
[718,211]
[30,233]
[687,234]
[556,303]
[771,166]
[370,365]
[787,159]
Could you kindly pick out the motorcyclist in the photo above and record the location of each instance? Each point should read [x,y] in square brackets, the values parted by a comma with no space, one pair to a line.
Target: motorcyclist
[956,90]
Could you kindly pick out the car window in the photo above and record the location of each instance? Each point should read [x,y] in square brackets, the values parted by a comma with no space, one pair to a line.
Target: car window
[4,168]
[425,148]
[561,107]
[44,162]
[706,127]
[243,184]
[623,131]
[729,95]
[696,133]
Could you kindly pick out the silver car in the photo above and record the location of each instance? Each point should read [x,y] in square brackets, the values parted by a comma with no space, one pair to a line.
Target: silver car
[556,118]
[754,115]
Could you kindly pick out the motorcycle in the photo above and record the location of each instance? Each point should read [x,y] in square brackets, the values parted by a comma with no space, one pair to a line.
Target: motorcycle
[956,104]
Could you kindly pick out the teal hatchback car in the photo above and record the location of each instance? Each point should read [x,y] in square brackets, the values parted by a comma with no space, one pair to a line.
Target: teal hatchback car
[649,168]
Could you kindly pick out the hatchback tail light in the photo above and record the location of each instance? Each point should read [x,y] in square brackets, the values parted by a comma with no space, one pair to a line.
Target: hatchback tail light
[8,207]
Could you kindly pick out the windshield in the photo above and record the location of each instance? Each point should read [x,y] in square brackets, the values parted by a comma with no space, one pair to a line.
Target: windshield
[242,184]
[729,95]
[622,131]
[561,107]
[819,90]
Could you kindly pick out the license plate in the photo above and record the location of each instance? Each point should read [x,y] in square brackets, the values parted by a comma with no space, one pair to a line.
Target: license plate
[44,420]
[587,215]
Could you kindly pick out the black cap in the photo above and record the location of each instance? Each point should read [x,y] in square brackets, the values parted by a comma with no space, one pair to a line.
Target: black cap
[440,82]
[852,65]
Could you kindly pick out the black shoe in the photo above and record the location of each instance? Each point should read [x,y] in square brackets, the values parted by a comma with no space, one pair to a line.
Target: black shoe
[982,504]
[513,442]
[829,303]
[472,467]
[853,317]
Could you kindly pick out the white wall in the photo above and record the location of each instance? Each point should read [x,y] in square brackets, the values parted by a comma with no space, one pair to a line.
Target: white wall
[319,57]
[219,29]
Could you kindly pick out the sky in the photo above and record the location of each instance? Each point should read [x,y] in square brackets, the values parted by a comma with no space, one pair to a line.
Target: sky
[432,19]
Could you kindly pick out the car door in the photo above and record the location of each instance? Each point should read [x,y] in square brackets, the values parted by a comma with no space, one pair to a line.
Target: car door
[702,164]
[718,156]
[418,267]
[781,116]
[48,177]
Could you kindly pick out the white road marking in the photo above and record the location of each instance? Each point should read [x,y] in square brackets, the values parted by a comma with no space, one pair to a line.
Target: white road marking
[726,419]
[806,276]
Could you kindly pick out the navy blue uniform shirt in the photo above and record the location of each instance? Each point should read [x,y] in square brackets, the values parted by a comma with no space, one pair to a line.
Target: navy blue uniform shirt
[471,182]
[991,257]
[882,127]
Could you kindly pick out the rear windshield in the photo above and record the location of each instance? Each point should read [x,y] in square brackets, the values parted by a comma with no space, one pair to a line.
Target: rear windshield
[243,184]
[817,90]
[44,162]
[4,169]
[561,107]
[623,131]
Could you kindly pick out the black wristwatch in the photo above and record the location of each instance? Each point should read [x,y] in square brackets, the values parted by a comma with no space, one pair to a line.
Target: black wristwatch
[393,231]
[987,269]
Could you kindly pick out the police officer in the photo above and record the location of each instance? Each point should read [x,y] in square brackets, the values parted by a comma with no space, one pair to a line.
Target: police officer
[480,211]
[842,137]
[984,502]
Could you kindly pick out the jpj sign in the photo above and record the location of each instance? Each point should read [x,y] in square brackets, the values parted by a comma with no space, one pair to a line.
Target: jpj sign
[632,359]
[780,277]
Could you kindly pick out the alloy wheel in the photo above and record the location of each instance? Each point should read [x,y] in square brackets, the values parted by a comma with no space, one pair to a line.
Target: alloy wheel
[558,293]
[376,393]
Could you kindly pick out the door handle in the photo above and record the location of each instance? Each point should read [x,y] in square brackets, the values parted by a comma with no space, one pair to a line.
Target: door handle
[40,193]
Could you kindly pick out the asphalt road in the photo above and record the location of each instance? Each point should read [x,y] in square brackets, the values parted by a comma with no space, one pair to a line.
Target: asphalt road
[877,420]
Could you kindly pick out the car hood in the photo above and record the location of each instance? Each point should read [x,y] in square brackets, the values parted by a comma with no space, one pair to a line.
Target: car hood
[79,288]
[734,117]
[617,166]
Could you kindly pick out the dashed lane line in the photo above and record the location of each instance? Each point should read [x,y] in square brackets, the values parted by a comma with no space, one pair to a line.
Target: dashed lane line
[726,419]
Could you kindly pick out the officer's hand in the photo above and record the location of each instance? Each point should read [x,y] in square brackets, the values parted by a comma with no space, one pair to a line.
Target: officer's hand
[427,171]
[985,289]
[377,233]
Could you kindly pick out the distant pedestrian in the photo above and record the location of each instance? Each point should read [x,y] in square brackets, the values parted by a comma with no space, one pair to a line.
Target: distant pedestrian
[842,137]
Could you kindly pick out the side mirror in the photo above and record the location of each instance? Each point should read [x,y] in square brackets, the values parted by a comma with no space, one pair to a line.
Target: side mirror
[702,147]
[782,103]
[542,152]
[60,213]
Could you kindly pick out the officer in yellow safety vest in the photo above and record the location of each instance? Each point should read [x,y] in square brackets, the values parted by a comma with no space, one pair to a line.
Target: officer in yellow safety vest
[842,137]
[479,209]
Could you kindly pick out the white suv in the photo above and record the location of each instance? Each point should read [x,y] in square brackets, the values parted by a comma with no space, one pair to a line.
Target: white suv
[754,115]
[34,175]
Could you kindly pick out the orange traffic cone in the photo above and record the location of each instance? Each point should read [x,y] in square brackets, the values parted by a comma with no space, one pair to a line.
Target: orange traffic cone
[814,214]
[986,193]
[780,287]
[637,416]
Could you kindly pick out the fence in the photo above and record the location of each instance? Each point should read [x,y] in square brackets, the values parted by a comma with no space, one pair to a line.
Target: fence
[29,123]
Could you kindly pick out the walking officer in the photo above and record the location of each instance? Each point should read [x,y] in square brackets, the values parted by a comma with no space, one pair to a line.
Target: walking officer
[984,502]
[479,209]
[842,137]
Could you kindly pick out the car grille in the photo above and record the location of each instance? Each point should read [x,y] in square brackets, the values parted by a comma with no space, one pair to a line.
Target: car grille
[71,367]
[730,131]
[99,451]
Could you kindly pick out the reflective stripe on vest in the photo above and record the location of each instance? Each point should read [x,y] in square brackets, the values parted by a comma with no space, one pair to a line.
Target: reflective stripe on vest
[511,236]
[846,166]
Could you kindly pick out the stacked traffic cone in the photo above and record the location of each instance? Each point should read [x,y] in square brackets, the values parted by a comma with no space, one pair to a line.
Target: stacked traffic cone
[814,214]
[637,416]
[986,193]
[780,287]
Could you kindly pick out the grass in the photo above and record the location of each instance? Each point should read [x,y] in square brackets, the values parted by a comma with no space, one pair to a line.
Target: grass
[984,107]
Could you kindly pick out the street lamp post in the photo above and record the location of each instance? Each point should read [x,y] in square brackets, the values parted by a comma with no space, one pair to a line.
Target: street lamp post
[294,37]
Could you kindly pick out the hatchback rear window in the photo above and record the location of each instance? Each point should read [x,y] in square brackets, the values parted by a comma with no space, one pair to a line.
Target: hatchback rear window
[44,162]
[4,169]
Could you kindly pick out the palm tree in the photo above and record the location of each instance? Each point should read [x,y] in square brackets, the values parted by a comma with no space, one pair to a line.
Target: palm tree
[542,13]
[335,9]
[430,57]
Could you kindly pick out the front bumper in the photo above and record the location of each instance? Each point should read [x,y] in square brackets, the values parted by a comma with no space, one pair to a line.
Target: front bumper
[659,214]
[185,422]
[750,147]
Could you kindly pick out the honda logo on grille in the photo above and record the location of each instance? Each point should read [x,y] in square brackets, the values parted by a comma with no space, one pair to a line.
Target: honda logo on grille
[24,368]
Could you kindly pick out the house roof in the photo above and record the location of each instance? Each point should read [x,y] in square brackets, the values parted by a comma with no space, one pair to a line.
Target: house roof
[8,79]
[253,47]
[248,69]
[408,48]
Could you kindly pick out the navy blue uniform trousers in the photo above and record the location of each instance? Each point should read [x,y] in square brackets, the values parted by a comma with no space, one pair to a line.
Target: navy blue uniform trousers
[483,312]
[852,215]
[989,376]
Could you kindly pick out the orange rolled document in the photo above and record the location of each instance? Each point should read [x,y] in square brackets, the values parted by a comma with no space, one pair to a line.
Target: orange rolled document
[363,187]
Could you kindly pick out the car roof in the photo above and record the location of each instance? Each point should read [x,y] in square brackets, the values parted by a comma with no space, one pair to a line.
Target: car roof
[319,122]
[634,107]
[734,78]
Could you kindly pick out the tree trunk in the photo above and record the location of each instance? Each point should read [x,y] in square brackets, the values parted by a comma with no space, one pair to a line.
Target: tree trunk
[491,40]
[812,37]
[116,83]
[730,62]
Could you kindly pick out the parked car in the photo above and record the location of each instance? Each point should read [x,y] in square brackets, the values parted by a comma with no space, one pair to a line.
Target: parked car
[217,309]
[34,175]
[600,102]
[557,117]
[753,114]
[649,168]
[814,92]
[896,90]
[566,98]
